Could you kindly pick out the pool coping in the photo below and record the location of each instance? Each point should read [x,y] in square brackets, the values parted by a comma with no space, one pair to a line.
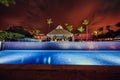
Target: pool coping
[57,67]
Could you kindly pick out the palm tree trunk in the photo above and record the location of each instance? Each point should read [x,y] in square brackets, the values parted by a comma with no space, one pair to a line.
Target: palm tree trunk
[49,28]
[87,33]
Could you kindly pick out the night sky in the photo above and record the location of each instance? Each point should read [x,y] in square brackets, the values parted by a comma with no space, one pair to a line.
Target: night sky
[33,14]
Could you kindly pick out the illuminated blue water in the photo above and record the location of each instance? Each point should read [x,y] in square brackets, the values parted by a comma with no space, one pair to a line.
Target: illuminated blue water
[61,57]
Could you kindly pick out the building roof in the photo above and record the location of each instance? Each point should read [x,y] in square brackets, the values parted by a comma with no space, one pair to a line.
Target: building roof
[59,31]
[117,37]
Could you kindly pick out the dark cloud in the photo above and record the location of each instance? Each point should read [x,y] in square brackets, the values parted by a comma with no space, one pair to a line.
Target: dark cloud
[108,7]
[33,13]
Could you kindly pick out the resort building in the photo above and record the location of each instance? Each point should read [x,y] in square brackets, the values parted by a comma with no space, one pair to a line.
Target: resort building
[41,37]
[117,37]
[84,37]
[60,34]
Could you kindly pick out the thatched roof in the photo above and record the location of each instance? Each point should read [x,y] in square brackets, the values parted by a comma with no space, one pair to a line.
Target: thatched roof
[59,31]
[117,37]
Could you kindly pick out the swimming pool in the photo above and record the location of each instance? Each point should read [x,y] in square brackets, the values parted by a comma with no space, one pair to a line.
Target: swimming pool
[61,57]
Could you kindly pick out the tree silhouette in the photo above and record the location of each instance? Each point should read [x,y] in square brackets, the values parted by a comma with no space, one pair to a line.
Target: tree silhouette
[101,30]
[8,36]
[108,27]
[110,33]
[118,24]
[95,33]
[118,31]
[20,30]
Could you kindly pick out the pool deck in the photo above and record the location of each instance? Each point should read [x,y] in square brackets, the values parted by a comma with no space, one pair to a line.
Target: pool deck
[58,72]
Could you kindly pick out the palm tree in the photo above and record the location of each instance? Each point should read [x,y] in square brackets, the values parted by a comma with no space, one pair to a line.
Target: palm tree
[100,34]
[36,32]
[86,22]
[118,24]
[110,33]
[108,27]
[81,29]
[95,33]
[118,31]
[7,2]
[100,29]
[49,22]
[69,28]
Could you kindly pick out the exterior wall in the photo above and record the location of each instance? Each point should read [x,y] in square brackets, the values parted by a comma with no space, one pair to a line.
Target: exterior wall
[86,36]
[83,37]
[62,39]
[87,45]
[41,37]
[116,38]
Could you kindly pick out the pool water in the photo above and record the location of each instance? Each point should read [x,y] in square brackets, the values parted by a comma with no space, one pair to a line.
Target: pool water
[61,57]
